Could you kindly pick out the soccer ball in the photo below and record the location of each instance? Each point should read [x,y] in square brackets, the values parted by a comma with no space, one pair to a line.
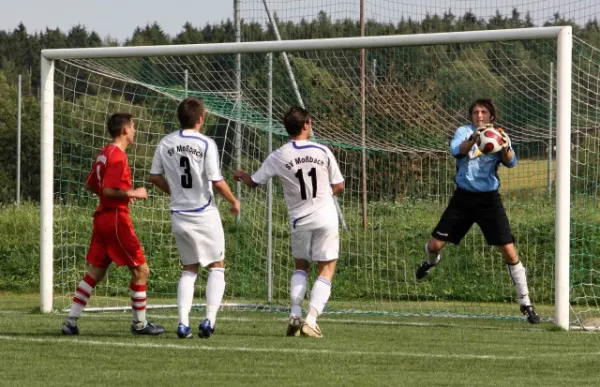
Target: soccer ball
[490,141]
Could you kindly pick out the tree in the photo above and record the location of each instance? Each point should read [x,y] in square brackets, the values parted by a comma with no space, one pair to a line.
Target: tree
[497,22]
[431,24]
[30,160]
[53,39]
[151,35]
[591,33]
[469,21]
[515,19]
[78,37]
[448,20]
[189,35]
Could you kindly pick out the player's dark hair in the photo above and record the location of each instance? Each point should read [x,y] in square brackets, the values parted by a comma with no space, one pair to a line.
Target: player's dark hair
[295,119]
[116,122]
[189,111]
[486,103]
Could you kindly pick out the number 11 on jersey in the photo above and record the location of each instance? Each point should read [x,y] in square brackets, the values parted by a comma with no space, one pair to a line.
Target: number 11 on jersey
[313,175]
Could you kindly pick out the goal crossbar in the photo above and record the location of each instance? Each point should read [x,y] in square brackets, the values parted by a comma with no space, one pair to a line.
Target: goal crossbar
[536,33]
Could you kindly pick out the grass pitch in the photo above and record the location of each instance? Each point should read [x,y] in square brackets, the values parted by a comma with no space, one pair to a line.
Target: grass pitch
[249,348]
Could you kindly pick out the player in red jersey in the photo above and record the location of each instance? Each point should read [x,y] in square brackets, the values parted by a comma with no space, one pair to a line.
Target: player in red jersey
[113,237]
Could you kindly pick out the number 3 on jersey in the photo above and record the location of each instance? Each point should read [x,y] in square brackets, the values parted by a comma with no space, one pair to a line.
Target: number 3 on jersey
[186,177]
[313,175]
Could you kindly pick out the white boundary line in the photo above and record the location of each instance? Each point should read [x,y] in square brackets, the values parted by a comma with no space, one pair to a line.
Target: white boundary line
[250,349]
[119,344]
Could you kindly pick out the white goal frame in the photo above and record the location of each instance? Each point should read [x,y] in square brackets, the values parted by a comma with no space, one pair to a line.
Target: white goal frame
[563,36]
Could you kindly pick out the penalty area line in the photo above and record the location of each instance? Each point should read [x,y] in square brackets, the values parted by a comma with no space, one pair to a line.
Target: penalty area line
[84,342]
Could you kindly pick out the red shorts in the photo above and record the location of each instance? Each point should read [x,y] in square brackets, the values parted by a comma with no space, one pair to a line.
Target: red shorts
[114,240]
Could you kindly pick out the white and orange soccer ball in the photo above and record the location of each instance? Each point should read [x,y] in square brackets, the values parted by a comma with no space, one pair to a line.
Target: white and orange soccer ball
[490,141]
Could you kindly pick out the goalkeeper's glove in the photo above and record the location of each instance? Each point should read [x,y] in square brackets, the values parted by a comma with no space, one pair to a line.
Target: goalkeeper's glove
[475,136]
[506,140]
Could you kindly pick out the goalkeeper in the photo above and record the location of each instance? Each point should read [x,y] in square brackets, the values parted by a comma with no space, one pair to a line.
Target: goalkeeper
[477,200]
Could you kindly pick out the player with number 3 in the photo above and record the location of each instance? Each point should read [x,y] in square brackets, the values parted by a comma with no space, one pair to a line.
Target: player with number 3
[190,162]
[311,178]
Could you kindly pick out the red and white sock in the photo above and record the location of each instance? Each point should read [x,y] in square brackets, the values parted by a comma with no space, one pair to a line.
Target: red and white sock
[82,296]
[138,303]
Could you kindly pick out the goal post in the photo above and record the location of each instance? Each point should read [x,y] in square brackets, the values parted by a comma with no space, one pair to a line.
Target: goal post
[47,186]
[563,177]
[95,62]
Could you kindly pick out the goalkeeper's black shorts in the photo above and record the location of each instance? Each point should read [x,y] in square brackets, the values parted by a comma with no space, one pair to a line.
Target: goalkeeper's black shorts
[466,208]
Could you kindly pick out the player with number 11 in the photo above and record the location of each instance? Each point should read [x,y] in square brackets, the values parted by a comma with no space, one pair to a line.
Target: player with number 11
[311,178]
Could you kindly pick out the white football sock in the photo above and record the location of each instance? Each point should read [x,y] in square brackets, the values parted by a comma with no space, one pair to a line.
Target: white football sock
[519,279]
[297,292]
[185,296]
[215,287]
[432,258]
[319,296]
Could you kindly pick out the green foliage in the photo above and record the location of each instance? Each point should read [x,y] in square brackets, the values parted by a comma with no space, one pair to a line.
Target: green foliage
[151,35]
[20,247]
[30,144]
[375,264]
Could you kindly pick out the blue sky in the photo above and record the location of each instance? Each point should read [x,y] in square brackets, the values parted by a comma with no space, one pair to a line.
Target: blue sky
[111,17]
[118,19]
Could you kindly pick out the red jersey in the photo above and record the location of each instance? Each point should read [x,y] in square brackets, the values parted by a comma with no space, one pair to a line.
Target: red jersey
[111,170]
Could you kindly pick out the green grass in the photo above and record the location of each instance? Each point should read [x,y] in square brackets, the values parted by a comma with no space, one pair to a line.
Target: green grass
[529,174]
[376,266]
[249,348]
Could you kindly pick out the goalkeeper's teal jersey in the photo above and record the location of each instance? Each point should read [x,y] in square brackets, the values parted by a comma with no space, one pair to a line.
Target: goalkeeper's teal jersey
[476,174]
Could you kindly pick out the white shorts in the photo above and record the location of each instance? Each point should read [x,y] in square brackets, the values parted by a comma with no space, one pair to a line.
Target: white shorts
[198,240]
[322,244]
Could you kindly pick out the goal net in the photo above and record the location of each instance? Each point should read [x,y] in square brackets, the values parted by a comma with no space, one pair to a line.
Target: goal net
[414,98]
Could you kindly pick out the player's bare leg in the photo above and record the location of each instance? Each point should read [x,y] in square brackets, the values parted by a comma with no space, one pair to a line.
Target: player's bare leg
[81,298]
[137,290]
[185,298]
[432,249]
[215,288]
[297,293]
[517,274]
[319,296]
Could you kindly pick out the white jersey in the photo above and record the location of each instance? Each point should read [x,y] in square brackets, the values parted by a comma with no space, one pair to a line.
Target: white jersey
[190,161]
[307,171]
